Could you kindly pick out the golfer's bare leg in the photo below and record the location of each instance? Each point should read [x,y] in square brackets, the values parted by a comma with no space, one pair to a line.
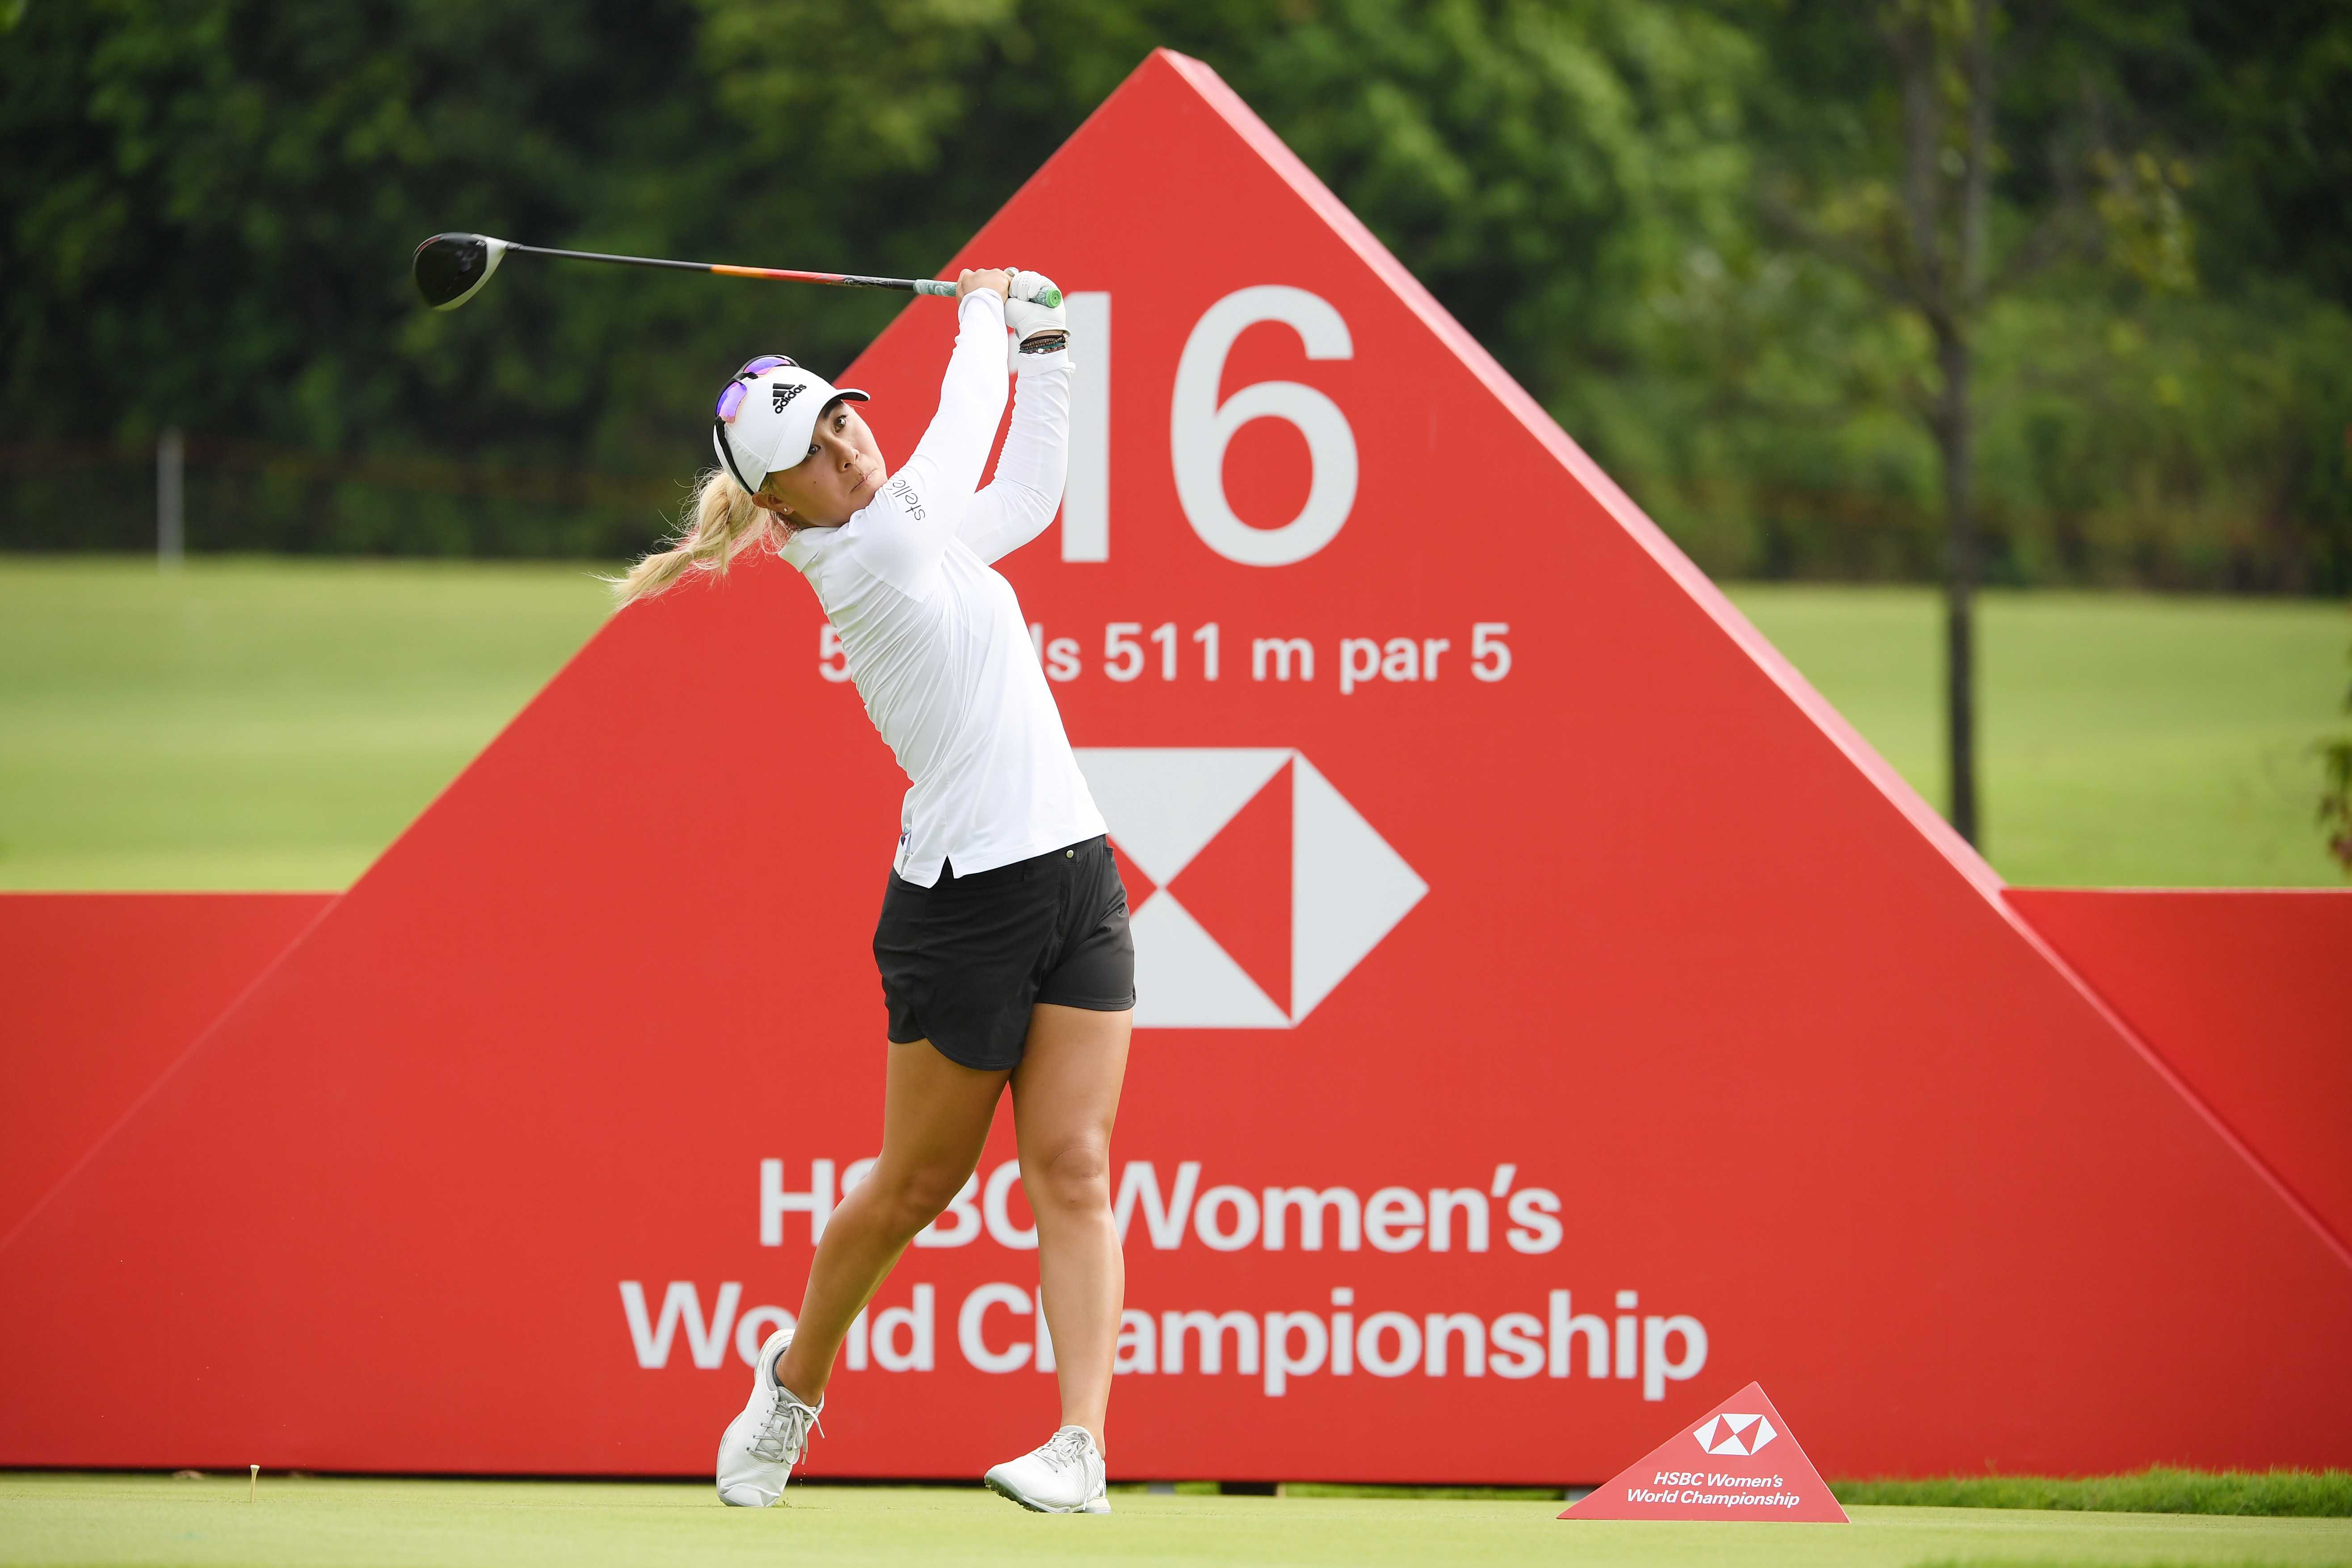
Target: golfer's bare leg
[1065,1099]
[935,1116]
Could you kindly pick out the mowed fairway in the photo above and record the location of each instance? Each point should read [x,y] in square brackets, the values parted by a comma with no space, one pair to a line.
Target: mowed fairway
[255,724]
[275,725]
[331,1522]
[2126,740]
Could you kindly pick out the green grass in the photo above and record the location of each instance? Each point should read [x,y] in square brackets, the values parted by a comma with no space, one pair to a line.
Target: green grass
[332,1522]
[2308,1494]
[253,724]
[2127,740]
[2283,1494]
[273,724]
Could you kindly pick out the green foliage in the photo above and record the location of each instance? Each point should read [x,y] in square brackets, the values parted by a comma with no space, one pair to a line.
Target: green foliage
[207,208]
[211,206]
[2282,1494]
[2336,797]
[1539,163]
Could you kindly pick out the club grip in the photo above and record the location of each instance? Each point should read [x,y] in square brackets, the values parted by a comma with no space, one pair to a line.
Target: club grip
[1049,298]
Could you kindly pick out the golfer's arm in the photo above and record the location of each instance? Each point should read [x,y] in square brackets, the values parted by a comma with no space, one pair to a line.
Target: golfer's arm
[971,400]
[1028,490]
[930,494]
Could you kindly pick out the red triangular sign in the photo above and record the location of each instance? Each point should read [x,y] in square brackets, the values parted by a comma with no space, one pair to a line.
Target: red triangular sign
[1739,1461]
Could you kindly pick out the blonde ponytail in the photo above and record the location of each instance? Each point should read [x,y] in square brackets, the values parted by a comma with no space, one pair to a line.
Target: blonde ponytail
[720,523]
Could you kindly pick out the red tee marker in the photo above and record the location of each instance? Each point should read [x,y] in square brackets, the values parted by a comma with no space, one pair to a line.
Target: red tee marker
[1739,1462]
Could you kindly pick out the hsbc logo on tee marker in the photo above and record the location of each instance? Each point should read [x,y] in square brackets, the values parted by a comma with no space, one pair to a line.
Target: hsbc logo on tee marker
[1732,1429]
[1217,831]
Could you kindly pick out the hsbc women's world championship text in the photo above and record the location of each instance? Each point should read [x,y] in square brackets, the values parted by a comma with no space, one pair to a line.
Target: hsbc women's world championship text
[998,1327]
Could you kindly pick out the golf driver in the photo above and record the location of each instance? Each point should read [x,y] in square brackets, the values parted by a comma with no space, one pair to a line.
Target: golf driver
[450,269]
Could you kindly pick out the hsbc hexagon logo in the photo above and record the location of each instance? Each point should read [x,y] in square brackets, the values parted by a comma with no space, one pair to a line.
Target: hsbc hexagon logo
[1267,887]
[1731,1436]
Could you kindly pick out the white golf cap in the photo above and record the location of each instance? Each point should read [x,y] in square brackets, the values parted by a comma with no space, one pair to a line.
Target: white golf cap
[773,416]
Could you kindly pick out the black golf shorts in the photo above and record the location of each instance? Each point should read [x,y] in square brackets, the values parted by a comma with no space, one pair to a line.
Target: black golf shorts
[964,962]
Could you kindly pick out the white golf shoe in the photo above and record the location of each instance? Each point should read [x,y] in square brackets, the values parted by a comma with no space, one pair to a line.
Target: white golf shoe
[761,1446]
[1066,1476]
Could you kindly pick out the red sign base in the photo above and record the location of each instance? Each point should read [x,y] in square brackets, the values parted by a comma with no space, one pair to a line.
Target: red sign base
[1737,1461]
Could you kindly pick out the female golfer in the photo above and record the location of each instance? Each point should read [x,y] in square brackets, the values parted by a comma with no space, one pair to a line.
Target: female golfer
[1003,941]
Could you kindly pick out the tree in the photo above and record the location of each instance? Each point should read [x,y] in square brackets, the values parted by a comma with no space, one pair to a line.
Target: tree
[2336,798]
[207,205]
[1537,164]
[1932,207]
[207,209]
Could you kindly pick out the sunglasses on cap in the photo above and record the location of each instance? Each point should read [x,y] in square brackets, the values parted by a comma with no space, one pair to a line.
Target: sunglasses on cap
[730,402]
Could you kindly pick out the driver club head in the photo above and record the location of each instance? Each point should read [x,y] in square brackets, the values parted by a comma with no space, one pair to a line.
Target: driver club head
[450,269]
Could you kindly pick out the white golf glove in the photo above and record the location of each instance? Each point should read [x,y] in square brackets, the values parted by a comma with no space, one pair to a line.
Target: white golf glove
[1026,316]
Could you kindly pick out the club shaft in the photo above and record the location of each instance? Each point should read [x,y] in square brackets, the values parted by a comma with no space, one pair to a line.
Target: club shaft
[779,274]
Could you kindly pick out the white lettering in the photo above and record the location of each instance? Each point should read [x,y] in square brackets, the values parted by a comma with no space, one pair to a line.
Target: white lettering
[972,1328]
[1200,427]
[995,1207]
[1490,656]
[752,1329]
[1282,650]
[1368,1344]
[1518,1345]
[681,1302]
[1655,1368]
[1594,1328]
[1122,655]
[1310,1205]
[1165,1221]
[1212,1330]
[1393,1219]
[1086,496]
[775,1202]
[832,658]
[963,1211]
[1246,1219]
[1441,1204]
[917,1321]
[1533,1228]
[1206,636]
[1139,1343]
[1442,1326]
[1280,1364]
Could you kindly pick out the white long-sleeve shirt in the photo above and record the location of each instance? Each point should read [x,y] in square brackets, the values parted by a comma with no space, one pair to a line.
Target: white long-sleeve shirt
[935,638]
